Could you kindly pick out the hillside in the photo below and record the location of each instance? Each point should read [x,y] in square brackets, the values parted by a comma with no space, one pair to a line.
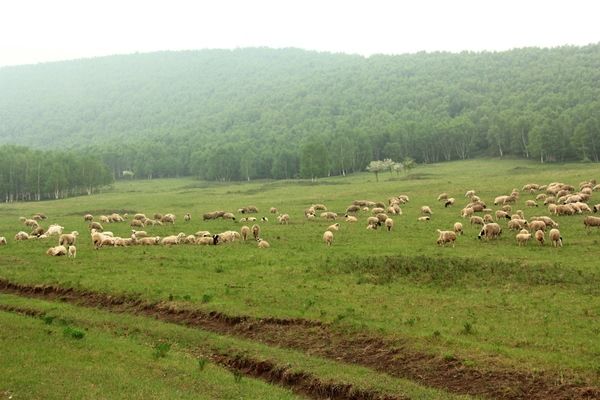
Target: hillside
[248,113]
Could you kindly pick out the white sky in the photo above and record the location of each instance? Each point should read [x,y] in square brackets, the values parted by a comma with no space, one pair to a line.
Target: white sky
[33,31]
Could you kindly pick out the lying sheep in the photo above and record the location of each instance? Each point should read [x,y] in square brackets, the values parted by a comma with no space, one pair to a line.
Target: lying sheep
[139,234]
[539,236]
[263,244]
[351,218]
[173,239]
[148,241]
[72,251]
[425,218]
[490,231]
[39,216]
[458,228]
[39,231]
[446,237]
[555,237]
[68,239]
[125,242]
[248,210]
[21,236]
[328,238]
[57,251]
[523,237]
[32,223]
[208,240]
[140,216]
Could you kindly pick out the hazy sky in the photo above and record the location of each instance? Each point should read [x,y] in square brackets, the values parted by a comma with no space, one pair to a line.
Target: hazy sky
[37,31]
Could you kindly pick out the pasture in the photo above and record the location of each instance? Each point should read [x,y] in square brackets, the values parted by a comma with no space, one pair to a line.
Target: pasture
[376,314]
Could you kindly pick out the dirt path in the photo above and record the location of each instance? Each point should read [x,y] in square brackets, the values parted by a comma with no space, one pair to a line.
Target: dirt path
[319,339]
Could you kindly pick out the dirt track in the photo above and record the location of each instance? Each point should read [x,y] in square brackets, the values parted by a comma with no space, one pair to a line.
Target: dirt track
[316,338]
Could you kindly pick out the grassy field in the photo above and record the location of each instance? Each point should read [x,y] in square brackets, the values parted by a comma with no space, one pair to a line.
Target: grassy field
[493,304]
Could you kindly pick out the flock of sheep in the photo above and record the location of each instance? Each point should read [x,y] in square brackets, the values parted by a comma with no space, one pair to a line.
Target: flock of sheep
[560,199]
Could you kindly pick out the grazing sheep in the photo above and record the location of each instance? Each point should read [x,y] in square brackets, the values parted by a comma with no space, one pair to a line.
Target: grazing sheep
[187,217]
[590,221]
[310,216]
[446,237]
[228,215]
[470,193]
[442,196]
[403,198]
[104,219]
[93,225]
[21,235]
[57,251]
[507,208]
[467,212]
[490,231]
[328,238]
[531,203]
[3,241]
[136,223]
[157,216]
[329,215]
[88,217]
[173,239]
[273,210]
[72,251]
[476,220]
[264,219]
[377,210]
[283,219]
[537,225]
[68,239]
[382,217]
[351,218]
[555,237]
[168,219]
[125,242]
[389,224]
[547,220]
[114,217]
[247,210]
[517,224]
[245,232]
[539,236]
[334,227]
[352,209]
[425,218]
[449,202]
[523,237]
[263,244]
[32,223]
[39,216]
[487,218]
[458,228]
[373,222]
[256,231]
[140,216]
[149,241]
[39,231]
[426,210]
[596,208]
[502,214]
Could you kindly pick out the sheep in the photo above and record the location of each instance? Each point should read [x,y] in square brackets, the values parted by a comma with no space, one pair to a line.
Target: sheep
[245,231]
[487,218]
[263,244]
[425,218]
[541,196]
[373,222]
[148,241]
[490,231]
[187,217]
[564,209]
[506,208]
[228,215]
[547,220]
[531,203]
[39,216]
[329,215]
[596,208]
[72,251]
[502,214]
[124,242]
[273,210]
[3,241]
[377,210]
[449,202]
[247,210]
[173,239]
[539,236]
[381,217]
[352,209]
[255,231]
[310,216]
[21,235]
[264,219]
[328,238]
[104,219]
[555,237]
[88,217]
[426,210]
[114,217]
[446,237]
[139,234]
[203,234]
[39,231]
[32,223]
[251,219]
[93,225]
[283,219]
[467,212]
[470,193]
[458,228]
[106,241]
[229,236]
[389,224]
[136,223]
[442,196]
[517,224]
[351,218]
[590,221]
[309,211]
[68,239]
[57,251]
[157,216]
[537,225]
[403,198]
[523,237]
[476,220]
[168,219]
[334,227]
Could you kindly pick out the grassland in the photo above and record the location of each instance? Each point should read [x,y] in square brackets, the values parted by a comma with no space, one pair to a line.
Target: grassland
[491,305]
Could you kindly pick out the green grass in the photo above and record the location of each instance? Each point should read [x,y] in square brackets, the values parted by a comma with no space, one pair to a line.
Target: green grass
[533,307]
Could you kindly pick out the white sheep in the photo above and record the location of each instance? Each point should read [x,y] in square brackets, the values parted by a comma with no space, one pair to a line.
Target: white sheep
[88,217]
[229,215]
[139,234]
[168,219]
[477,220]
[425,218]
[263,244]
[389,224]
[255,231]
[458,228]
[72,251]
[283,219]
[555,237]
[426,210]
[68,239]
[2,241]
[591,221]
[245,232]
[173,239]
[334,227]
[351,218]
[21,235]
[149,241]
[539,236]
[490,231]
[54,229]
[273,210]
[187,217]
[329,215]
[328,238]
[442,196]
[449,202]
[523,237]
[446,237]
[57,251]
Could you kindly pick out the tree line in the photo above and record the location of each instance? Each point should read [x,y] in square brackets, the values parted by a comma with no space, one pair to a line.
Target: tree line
[27,175]
[262,113]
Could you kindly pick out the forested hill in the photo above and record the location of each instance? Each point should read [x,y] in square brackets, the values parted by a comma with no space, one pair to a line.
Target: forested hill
[238,114]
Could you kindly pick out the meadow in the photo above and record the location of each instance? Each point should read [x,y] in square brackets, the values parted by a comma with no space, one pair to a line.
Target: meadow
[480,319]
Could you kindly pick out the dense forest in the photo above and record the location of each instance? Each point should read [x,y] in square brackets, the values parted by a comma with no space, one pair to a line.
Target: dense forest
[40,175]
[264,113]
